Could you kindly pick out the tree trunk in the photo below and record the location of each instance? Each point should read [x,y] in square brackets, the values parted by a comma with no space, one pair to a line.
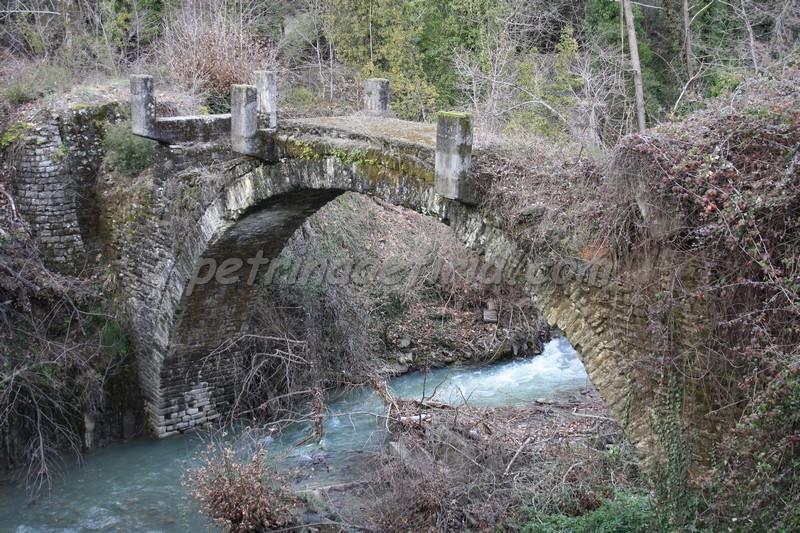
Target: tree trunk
[750,34]
[330,62]
[687,40]
[635,64]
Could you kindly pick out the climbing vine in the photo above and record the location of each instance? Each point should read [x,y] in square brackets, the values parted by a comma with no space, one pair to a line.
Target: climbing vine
[720,194]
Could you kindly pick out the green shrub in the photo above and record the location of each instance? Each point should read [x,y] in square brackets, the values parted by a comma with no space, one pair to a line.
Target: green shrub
[722,81]
[218,104]
[35,81]
[13,133]
[20,93]
[627,512]
[126,152]
[301,97]
[113,338]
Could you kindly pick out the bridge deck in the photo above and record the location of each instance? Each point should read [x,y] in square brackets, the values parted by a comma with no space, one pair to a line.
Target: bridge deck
[388,129]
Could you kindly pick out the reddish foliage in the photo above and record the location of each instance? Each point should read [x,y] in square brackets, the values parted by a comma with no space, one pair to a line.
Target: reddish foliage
[729,181]
[241,495]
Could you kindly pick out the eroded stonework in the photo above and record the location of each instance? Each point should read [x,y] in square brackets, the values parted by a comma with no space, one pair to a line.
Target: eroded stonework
[56,162]
[200,201]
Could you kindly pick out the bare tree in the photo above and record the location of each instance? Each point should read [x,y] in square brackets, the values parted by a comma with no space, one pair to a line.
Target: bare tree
[687,40]
[602,111]
[489,83]
[635,64]
[208,45]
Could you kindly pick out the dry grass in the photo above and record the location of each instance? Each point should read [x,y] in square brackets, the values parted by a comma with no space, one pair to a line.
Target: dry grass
[472,468]
[547,195]
[207,46]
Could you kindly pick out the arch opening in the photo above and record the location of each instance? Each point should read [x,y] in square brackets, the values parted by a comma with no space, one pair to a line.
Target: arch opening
[214,312]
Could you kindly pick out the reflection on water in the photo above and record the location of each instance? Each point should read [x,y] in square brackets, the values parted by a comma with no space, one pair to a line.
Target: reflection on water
[136,486]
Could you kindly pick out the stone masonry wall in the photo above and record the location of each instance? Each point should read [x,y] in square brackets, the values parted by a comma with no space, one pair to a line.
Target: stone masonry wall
[46,195]
[147,222]
[56,166]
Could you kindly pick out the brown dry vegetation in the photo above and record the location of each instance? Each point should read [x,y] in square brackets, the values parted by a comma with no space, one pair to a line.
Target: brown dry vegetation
[241,494]
[449,468]
[698,219]
[705,220]
[547,196]
[437,306]
[59,349]
[206,49]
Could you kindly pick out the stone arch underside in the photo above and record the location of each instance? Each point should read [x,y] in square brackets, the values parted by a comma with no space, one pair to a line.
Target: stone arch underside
[257,211]
[264,206]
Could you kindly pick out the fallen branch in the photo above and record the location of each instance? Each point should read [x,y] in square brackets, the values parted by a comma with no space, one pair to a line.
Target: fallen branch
[511,462]
[586,415]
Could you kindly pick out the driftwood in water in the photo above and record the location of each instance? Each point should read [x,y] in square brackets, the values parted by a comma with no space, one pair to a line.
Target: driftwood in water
[318,405]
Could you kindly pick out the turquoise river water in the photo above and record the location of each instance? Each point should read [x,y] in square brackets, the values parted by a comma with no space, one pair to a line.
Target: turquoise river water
[136,485]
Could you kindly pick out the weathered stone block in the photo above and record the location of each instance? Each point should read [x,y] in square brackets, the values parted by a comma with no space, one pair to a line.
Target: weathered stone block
[454,157]
[267,85]
[245,136]
[143,106]
[376,96]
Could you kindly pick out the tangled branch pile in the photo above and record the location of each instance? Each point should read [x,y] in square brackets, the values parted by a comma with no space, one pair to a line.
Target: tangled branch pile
[455,468]
[55,354]
[241,494]
[718,241]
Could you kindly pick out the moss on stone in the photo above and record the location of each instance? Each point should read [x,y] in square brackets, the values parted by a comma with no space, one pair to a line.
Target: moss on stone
[464,120]
[14,133]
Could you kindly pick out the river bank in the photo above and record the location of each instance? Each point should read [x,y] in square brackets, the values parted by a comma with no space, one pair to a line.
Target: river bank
[140,485]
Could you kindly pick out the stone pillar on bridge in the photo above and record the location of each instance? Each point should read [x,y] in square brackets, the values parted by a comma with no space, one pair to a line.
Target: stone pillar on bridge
[244,120]
[267,85]
[143,106]
[454,157]
[376,96]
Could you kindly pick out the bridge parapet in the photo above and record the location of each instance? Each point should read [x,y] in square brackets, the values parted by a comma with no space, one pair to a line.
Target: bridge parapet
[172,130]
[267,88]
[376,96]
[372,136]
[246,136]
[454,157]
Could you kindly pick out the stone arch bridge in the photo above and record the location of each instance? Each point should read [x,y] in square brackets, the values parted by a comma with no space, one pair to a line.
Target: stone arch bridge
[231,186]
[293,168]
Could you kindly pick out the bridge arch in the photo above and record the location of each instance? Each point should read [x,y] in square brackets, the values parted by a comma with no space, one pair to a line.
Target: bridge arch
[260,207]
[254,215]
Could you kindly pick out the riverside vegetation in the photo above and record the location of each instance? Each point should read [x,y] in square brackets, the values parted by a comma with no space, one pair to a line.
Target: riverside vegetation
[562,100]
